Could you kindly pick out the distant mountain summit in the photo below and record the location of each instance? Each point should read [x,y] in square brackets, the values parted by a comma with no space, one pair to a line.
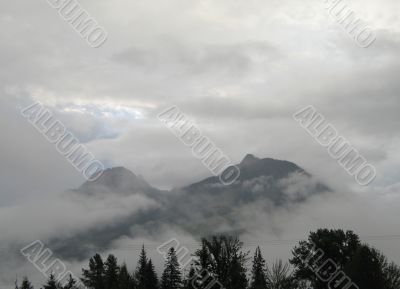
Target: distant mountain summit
[251,167]
[249,159]
[117,180]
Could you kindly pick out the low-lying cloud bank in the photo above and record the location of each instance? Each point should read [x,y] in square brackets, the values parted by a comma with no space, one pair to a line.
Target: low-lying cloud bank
[276,229]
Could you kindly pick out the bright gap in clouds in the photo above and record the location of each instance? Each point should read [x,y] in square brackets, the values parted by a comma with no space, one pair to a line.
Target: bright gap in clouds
[106,111]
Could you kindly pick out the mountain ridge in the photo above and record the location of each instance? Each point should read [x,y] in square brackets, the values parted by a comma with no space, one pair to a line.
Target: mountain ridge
[201,208]
[121,179]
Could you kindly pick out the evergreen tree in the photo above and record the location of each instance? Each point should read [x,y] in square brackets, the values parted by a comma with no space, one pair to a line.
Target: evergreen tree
[258,278]
[151,276]
[146,276]
[93,278]
[111,272]
[204,267]
[25,284]
[52,283]
[237,274]
[125,280]
[204,259]
[71,283]
[171,278]
[188,283]
[141,269]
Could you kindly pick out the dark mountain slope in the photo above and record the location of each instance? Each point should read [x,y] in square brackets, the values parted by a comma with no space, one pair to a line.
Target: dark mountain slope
[201,208]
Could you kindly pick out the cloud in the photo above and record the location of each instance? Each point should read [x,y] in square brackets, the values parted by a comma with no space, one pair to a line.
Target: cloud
[63,216]
[59,217]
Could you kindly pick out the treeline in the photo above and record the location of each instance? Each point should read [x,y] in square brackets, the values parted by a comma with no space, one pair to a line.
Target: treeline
[328,259]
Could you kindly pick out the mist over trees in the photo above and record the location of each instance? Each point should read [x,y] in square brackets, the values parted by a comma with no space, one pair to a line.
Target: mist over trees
[327,259]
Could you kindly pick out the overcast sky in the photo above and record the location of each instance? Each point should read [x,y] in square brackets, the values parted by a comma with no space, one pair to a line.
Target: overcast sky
[239,69]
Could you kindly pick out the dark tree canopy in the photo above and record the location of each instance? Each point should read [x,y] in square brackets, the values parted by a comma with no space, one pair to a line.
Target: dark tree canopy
[327,259]
[321,245]
[126,280]
[93,278]
[222,258]
[365,268]
[391,273]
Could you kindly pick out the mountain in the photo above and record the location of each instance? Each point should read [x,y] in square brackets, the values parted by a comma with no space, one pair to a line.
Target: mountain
[252,167]
[201,208]
[260,178]
[117,180]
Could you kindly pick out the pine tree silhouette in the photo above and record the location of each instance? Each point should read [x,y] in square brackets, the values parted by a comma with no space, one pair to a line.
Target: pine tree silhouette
[151,276]
[141,270]
[258,278]
[111,272]
[125,280]
[191,279]
[93,278]
[52,283]
[237,274]
[145,274]
[24,285]
[171,278]
[71,283]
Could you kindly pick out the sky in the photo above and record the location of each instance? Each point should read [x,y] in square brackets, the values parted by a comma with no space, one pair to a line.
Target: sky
[238,69]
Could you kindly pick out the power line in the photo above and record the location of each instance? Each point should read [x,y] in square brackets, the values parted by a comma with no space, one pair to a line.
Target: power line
[137,245]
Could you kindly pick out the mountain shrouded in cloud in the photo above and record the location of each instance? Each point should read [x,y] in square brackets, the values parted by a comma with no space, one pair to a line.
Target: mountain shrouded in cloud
[116,180]
[202,208]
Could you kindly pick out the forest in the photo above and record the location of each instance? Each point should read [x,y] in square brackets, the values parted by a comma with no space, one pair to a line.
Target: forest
[328,259]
